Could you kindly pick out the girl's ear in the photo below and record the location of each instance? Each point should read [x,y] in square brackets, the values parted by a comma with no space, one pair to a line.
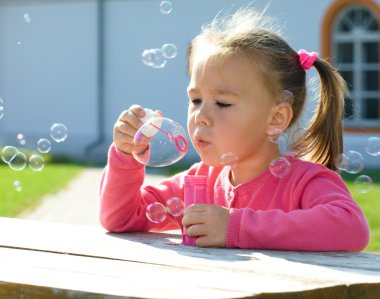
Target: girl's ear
[282,115]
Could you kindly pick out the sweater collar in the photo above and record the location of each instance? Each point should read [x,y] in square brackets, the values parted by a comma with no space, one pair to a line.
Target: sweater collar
[249,186]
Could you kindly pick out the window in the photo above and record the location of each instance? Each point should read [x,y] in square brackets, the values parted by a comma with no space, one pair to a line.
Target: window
[355,52]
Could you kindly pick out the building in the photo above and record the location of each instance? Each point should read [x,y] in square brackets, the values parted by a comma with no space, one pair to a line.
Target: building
[79,63]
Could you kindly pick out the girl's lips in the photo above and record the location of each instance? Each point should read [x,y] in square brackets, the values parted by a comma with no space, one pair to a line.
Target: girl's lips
[201,143]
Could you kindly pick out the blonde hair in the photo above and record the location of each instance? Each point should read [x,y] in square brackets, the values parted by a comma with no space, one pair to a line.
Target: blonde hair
[251,34]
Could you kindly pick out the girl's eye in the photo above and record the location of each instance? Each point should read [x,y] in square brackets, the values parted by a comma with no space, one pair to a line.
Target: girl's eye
[195,101]
[222,105]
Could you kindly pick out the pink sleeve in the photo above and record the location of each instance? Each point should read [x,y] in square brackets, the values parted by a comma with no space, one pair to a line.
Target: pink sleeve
[328,219]
[123,200]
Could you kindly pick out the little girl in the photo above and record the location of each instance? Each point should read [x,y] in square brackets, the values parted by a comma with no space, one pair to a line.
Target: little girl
[247,86]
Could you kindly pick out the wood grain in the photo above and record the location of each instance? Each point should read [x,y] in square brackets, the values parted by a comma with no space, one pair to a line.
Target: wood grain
[71,261]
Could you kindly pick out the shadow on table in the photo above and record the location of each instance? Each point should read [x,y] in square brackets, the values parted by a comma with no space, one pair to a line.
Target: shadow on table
[341,261]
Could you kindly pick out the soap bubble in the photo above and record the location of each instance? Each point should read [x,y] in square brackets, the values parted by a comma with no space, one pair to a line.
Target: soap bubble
[20,138]
[351,162]
[44,145]
[27,18]
[169,51]
[19,43]
[279,167]
[154,58]
[373,146]
[341,161]
[166,7]
[160,142]
[175,206]
[8,152]
[17,185]
[275,135]
[363,183]
[58,132]
[36,162]
[1,108]
[287,97]
[156,212]
[18,162]
[229,159]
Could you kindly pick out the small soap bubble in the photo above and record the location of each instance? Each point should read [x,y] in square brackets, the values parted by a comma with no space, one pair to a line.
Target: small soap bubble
[279,167]
[147,57]
[58,132]
[287,97]
[18,162]
[341,162]
[169,51]
[354,162]
[363,183]
[175,206]
[44,145]
[373,146]
[36,163]
[17,185]
[154,58]
[156,212]
[19,43]
[166,7]
[229,159]
[20,138]
[27,18]
[275,135]
[160,142]
[1,108]
[8,152]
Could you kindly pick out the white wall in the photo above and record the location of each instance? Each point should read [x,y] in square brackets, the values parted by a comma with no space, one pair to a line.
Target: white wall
[50,76]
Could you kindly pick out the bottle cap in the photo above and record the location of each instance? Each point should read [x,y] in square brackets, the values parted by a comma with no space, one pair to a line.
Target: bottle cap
[152,123]
[195,179]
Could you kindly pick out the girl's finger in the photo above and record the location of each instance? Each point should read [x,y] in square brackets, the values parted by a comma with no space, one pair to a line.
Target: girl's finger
[129,117]
[196,230]
[125,128]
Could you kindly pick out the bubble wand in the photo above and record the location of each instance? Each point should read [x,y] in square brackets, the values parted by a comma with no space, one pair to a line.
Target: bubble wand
[178,139]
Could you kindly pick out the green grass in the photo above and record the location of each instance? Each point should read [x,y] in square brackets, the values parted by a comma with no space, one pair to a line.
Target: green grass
[370,204]
[34,185]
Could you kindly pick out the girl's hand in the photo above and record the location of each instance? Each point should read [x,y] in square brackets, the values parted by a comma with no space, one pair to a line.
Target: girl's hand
[208,223]
[126,127]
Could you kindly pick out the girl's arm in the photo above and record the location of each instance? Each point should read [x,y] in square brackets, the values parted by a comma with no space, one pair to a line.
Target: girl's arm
[123,200]
[328,219]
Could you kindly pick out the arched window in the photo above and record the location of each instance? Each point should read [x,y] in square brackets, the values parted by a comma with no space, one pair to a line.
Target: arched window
[355,53]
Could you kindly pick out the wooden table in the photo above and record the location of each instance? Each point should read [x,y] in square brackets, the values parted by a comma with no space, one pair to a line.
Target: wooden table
[50,260]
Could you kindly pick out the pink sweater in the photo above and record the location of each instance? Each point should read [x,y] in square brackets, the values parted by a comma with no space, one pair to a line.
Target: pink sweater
[309,209]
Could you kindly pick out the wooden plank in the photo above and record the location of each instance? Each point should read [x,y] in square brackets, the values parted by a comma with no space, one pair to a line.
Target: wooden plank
[161,260]
[134,279]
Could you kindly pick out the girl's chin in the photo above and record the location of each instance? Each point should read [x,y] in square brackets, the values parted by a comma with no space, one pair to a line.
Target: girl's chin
[211,161]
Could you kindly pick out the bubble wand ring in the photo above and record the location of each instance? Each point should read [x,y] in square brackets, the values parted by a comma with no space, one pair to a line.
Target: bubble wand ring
[178,139]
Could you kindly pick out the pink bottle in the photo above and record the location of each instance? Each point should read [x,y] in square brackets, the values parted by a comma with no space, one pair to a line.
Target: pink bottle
[195,191]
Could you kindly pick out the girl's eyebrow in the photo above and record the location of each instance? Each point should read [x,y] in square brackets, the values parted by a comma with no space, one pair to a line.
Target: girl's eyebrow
[223,92]
[192,90]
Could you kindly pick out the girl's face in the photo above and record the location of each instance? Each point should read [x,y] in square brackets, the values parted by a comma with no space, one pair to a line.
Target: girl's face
[229,109]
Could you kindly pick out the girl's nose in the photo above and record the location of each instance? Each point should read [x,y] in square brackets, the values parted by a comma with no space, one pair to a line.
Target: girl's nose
[202,117]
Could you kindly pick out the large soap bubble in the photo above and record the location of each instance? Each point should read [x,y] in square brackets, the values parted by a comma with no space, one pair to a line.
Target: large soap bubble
[160,142]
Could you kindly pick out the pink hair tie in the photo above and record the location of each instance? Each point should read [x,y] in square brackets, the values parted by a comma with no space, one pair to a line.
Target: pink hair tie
[306,59]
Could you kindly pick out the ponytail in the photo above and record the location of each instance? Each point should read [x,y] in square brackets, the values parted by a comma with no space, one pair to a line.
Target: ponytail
[323,139]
